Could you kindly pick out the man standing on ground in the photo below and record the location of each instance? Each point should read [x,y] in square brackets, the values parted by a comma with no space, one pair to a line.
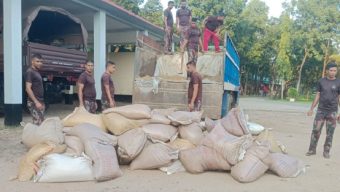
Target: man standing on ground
[193,41]
[35,90]
[328,90]
[195,88]
[108,89]
[168,25]
[183,20]
[86,89]
[211,30]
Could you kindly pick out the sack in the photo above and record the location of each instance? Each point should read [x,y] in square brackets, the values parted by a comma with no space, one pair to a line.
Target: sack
[80,115]
[117,124]
[164,112]
[201,158]
[135,111]
[62,168]
[28,167]
[74,146]
[284,165]
[160,132]
[130,144]
[192,133]
[105,162]
[181,144]
[235,122]
[210,124]
[185,117]
[254,128]
[232,148]
[154,156]
[175,167]
[88,131]
[158,118]
[49,130]
[267,136]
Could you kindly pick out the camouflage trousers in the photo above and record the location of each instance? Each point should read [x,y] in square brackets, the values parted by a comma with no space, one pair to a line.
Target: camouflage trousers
[320,118]
[197,106]
[168,40]
[37,114]
[192,54]
[183,34]
[90,106]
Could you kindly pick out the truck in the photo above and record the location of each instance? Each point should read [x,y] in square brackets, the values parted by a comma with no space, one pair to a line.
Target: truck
[160,81]
[64,50]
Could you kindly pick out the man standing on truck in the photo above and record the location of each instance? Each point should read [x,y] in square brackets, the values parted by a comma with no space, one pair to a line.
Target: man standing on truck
[35,90]
[183,21]
[212,26]
[328,91]
[108,89]
[193,41]
[195,88]
[86,89]
[168,26]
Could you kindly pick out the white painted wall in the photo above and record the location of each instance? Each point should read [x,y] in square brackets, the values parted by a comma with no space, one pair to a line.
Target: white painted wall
[124,76]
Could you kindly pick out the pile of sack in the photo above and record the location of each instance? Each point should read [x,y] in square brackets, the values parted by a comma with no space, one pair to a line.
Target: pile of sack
[84,146]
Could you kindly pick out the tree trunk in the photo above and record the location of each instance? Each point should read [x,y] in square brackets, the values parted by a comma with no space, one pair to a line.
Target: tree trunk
[300,70]
[283,85]
[326,58]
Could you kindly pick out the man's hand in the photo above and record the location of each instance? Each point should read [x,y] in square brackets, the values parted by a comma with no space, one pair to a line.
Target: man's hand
[338,118]
[112,104]
[39,106]
[191,107]
[178,29]
[310,113]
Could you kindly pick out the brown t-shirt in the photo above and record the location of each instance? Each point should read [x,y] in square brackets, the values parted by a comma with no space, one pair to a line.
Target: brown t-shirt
[195,78]
[193,36]
[183,16]
[212,23]
[329,94]
[89,91]
[34,77]
[170,19]
[107,80]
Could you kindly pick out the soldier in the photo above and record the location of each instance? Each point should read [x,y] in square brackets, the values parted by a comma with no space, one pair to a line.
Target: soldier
[211,30]
[35,90]
[168,26]
[86,89]
[108,89]
[195,88]
[193,41]
[328,90]
[183,20]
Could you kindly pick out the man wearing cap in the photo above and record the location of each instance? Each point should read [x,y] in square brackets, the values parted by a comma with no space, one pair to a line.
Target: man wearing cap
[212,26]
[193,41]
[327,96]
[183,20]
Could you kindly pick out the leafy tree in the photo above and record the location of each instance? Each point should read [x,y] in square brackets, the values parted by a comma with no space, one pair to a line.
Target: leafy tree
[153,11]
[131,5]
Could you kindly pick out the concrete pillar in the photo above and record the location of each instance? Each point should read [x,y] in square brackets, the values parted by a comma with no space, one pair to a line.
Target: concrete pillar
[12,62]
[99,49]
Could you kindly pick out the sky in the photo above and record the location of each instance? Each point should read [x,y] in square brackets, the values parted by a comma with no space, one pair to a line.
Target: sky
[275,7]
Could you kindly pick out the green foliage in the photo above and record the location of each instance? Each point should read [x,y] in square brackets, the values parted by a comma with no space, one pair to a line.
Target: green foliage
[153,12]
[131,5]
[293,93]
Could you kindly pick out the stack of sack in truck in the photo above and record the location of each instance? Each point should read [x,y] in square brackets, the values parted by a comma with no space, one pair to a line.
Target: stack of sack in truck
[84,146]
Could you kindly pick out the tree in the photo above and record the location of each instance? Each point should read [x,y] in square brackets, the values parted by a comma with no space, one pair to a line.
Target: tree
[131,5]
[153,12]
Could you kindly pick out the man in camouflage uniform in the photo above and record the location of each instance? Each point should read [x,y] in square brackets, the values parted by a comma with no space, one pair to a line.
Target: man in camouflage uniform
[35,90]
[328,91]
[86,89]
[183,20]
[168,26]
[108,89]
[193,41]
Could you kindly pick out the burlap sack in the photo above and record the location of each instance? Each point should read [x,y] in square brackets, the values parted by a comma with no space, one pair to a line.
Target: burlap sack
[158,118]
[88,131]
[118,124]
[192,133]
[154,156]
[232,148]
[181,144]
[201,158]
[105,162]
[185,117]
[284,165]
[135,111]
[267,136]
[160,132]
[164,112]
[28,167]
[80,115]
[235,122]
[130,144]
[49,130]
[210,124]
[74,146]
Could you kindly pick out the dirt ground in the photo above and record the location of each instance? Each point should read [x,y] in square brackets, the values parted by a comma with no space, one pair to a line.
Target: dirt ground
[291,126]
